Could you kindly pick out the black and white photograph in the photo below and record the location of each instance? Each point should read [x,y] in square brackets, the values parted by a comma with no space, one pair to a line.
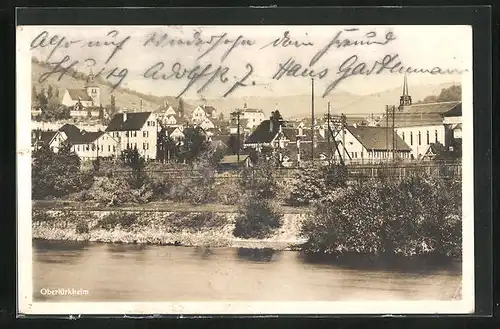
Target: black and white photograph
[245,169]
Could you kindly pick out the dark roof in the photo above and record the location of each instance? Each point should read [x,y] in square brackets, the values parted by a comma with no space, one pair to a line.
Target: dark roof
[71,131]
[87,137]
[46,136]
[263,133]
[435,148]
[135,121]
[422,114]
[79,94]
[170,130]
[209,109]
[378,138]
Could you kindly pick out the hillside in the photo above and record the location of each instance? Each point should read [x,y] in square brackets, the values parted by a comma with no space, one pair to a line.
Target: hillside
[125,98]
[341,102]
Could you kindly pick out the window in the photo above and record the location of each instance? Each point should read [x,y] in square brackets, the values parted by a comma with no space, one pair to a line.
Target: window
[135,133]
[143,146]
[109,148]
[147,146]
[144,134]
[87,147]
[419,138]
[436,136]
[126,133]
[78,148]
[403,135]
[355,154]
[135,146]
[102,147]
[352,154]
[148,123]
[147,133]
[114,148]
[428,140]
[411,138]
[128,146]
[153,123]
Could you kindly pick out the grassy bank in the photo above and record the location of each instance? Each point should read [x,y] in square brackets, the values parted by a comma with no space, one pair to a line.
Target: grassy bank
[157,227]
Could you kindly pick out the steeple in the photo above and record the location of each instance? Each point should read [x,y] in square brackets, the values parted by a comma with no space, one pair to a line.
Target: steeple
[405,99]
[90,79]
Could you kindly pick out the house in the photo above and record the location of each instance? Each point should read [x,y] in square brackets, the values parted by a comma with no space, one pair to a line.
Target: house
[235,161]
[170,111]
[52,139]
[249,119]
[365,144]
[207,124]
[81,99]
[201,112]
[137,130]
[433,151]
[175,133]
[422,124]
[269,133]
[94,144]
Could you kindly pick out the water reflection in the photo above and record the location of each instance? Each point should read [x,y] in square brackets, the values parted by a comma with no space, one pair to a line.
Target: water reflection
[203,252]
[415,266]
[168,273]
[257,255]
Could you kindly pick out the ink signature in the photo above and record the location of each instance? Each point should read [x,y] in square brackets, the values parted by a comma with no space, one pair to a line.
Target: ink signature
[198,74]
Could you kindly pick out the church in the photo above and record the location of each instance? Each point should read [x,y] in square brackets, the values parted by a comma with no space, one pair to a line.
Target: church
[84,101]
[426,126]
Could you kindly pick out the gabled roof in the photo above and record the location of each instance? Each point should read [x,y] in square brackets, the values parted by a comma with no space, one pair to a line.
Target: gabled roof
[263,133]
[79,94]
[71,131]
[422,114]
[233,159]
[135,121]
[221,138]
[378,138]
[170,130]
[46,136]
[87,137]
[435,149]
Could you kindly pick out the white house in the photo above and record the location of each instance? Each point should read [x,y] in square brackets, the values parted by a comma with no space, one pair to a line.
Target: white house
[52,139]
[366,144]
[89,96]
[136,130]
[420,125]
[249,118]
[207,124]
[175,133]
[170,111]
[91,145]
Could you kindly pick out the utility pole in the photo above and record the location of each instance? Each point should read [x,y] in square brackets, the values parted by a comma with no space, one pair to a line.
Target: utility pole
[238,114]
[312,118]
[386,128]
[328,134]
[393,137]
[343,123]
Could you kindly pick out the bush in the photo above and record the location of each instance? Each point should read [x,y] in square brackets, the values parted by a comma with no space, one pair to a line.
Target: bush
[316,183]
[117,219]
[228,191]
[194,222]
[82,227]
[415,216]
[115,191]
[42,216]
[258,218]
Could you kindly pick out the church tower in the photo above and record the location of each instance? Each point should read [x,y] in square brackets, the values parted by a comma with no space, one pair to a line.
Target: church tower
[93,89]
[405,99]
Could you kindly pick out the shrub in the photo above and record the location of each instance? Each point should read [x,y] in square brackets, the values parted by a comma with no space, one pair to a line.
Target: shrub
[117,219]
[42,216]
[82,227]
[258,218]
[114,191]
[316,183]
[415,216]
[228,191]
[195,222]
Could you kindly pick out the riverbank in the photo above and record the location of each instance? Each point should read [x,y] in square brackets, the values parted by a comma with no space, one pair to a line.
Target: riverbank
[157,227]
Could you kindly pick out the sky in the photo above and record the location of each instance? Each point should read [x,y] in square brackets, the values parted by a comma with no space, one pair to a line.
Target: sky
[423,47]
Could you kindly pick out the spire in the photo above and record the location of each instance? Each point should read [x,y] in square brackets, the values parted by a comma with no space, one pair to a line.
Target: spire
[405,99]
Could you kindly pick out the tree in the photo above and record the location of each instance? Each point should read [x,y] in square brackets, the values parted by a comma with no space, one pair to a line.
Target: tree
[133,159]
[194,143]
[34,96]
[55,174]
[232,144]
[221,116]
[56,93]
[113,104]
[452,93]
[181,107]
[50,93]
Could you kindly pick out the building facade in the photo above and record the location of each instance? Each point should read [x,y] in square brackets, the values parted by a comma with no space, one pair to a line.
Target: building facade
[136,130]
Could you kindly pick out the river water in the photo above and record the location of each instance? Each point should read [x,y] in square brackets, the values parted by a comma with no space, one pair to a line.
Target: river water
[113,273]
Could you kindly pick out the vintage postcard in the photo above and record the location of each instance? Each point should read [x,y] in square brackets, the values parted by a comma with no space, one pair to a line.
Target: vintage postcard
[245,169]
